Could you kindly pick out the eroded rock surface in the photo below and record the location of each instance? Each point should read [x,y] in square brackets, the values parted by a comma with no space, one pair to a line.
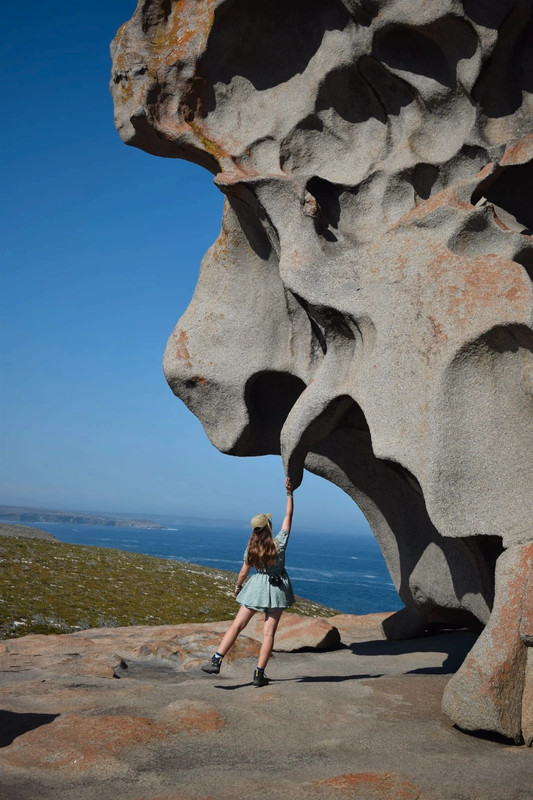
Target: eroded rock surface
[360,721]
[367,308]
[110,652]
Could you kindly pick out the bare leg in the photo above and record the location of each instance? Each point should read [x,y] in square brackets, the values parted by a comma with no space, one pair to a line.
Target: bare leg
[244,615]
[272,619]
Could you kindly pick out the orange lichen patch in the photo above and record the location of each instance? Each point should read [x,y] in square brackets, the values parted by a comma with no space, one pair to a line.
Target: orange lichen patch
[489,276]
[437,329]
[515,586]
[220,245]
[208,144]
[184,33]
[233,176]
[191,133]
[373,786]
[402,263]
[77,742]
[485,172]
[265,697]
[296,631]
[514,294]
[447,198]
[471,285]
[296,258]
[526,611]
[518,152]
[120,32]
[193,717]
[131,78]
[120,42]
[527,701]
[180,37]
[120,63]
[497,220]
[176,797]
[201,382]
[126,92]
[182,352]
[124,89]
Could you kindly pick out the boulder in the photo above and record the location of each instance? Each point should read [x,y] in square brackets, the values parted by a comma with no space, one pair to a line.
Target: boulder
[297,633]
[110,652]
[355,627]
[492,689]
[367,309]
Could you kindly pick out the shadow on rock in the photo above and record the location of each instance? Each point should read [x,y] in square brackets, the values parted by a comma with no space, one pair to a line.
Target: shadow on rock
[13,724]
[335,678]
[455,645]
[305,679]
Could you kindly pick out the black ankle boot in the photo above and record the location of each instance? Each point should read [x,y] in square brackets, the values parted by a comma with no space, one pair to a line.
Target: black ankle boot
[213,666]
[260,679]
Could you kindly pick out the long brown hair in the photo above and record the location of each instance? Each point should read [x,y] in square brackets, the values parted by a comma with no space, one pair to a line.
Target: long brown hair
[262,550]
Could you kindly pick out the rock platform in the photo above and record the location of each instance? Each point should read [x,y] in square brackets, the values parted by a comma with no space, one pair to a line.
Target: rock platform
[127,714]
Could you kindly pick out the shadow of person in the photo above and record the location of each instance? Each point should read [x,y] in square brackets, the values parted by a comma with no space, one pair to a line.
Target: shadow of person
[231,687]
[13,724]
[336,678]
[304,679]
[454,644]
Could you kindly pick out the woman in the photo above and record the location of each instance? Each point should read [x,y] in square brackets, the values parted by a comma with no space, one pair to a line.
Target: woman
[269,590]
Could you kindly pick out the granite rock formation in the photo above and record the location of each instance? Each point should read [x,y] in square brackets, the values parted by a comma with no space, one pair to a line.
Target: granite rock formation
[126,713]
[366,310]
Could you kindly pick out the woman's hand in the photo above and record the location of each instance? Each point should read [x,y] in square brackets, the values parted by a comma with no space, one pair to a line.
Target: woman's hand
[241,577]
[287,522]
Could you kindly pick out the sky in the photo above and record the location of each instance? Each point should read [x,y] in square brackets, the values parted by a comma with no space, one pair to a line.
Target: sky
[101,247]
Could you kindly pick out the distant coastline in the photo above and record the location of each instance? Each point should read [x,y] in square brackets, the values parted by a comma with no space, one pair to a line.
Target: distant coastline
[22,514]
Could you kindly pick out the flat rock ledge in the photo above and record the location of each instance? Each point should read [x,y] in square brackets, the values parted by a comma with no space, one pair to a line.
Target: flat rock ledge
[127,713]
[109,652]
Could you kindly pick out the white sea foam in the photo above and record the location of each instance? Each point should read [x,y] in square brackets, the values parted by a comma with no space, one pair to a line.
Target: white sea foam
[300,572]
[316,580]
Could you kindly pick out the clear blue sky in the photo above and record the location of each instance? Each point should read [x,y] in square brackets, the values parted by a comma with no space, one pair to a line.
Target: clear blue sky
[101,249]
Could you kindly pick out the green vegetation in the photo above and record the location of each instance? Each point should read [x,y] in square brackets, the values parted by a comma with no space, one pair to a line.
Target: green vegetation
[51,587]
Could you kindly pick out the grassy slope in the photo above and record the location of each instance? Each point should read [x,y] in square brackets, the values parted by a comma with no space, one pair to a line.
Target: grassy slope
[51,587]
[12,529]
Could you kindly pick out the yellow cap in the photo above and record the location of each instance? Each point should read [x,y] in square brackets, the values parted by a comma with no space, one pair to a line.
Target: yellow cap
[260,521]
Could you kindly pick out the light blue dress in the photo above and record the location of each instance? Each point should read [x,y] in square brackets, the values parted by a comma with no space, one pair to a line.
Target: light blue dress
[269,588]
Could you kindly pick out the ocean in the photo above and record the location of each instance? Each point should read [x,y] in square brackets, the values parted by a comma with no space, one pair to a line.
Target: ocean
[345,572]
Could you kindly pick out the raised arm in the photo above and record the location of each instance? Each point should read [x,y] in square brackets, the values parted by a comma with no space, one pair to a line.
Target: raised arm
[287,522]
